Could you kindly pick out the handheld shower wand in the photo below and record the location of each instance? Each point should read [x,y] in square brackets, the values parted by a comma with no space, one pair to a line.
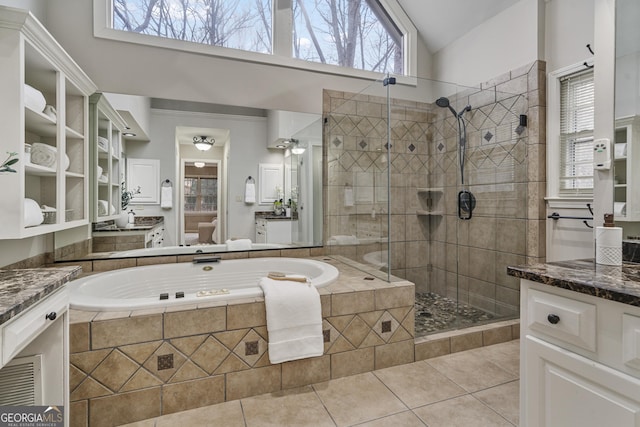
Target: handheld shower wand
[466,200]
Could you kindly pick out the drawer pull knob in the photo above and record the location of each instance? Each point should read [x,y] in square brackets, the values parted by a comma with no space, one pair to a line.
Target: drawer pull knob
[553,318]
[51,316]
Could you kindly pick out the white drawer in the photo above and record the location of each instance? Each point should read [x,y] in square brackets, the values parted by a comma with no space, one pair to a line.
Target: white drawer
[21,330]
[566,319]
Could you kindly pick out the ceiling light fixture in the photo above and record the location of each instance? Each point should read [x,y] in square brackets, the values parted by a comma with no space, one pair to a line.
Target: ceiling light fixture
[203,143]
[128,134]
[198,164]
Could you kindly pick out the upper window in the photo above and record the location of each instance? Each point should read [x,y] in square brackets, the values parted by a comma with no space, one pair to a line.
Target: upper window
[576,134]
[238,24]
[349,33]
[356,34]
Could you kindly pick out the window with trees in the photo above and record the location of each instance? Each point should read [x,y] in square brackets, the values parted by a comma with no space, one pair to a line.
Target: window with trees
[357,34]
[200,194]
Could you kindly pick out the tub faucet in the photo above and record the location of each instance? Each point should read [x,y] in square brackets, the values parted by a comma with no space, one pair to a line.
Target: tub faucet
[206,258]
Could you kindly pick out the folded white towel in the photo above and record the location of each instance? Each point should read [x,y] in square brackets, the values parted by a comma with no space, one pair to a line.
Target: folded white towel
[103,143]
[34,99]
[32,213]
[43,155]
[238,245]
[103,208]
[250,192]
[166,197]
[294,320]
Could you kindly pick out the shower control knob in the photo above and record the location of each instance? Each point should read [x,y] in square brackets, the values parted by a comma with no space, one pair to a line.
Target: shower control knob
[553,318]
[51,316]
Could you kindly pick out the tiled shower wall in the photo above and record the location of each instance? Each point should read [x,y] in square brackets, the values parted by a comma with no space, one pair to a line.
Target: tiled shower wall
[505,170]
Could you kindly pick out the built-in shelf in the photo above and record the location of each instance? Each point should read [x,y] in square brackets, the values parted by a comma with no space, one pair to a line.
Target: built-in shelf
[429,213]
[33,57]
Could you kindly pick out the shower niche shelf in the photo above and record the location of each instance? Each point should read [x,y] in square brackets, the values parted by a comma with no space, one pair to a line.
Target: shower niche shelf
[430,200]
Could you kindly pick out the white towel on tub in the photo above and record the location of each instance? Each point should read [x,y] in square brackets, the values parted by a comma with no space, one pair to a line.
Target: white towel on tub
[238,245]
[294,320]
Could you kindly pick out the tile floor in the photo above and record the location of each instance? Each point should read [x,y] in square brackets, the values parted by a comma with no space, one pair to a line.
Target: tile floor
[477,387]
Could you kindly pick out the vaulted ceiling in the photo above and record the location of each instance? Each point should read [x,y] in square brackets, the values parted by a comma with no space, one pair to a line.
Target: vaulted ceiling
[440,22]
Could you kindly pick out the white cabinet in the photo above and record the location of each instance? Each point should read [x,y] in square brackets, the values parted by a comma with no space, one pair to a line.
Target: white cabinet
[626,172]
[143,176]
[36,341]
[579,359]
[55,173]
[106,127]
[274,230]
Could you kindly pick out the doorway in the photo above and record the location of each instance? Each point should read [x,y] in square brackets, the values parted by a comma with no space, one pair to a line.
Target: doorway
[200,201]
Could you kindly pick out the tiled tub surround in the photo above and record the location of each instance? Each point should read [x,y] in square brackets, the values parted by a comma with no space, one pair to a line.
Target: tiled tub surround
[135,365]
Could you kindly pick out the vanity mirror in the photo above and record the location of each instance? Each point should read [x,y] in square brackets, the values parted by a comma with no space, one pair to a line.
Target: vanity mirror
[627,118]
[219,199]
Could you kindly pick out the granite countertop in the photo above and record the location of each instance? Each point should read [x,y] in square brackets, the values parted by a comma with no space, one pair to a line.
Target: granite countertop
[271,216]
[20,289]
[620,284]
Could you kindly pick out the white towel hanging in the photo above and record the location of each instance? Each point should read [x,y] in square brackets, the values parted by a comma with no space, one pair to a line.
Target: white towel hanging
[250,191]
[166,195]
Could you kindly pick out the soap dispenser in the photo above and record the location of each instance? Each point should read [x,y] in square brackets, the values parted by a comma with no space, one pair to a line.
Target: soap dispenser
[132,217]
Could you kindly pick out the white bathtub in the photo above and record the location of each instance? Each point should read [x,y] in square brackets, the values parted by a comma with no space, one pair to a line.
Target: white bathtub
[187,250]
[140,287]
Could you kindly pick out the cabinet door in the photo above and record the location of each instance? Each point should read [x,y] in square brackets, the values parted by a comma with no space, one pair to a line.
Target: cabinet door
[560,388]
[144,175]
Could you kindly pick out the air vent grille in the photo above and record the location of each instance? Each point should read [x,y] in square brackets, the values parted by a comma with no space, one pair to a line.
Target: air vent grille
[21,382]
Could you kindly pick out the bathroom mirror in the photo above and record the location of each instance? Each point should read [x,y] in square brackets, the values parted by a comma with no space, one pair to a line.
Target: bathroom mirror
[242,146]
[627,118]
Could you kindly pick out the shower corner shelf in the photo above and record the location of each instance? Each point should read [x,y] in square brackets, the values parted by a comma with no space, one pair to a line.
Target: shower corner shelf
[429,213]
[430,190]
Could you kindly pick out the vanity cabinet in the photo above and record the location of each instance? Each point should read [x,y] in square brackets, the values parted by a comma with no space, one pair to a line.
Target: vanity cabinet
[580,359]
[51,116]
[274,230]
[627,176]
[106,128]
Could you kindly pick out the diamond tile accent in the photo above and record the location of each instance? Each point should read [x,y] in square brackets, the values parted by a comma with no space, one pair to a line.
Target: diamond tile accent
[412,147]
[488,136]
[337,141]
[326,335]
[387,146]
[152,364]
[440,146]
[356,331]
[362,144]
[250,348]
[165,361]
[386,326]
[388,330]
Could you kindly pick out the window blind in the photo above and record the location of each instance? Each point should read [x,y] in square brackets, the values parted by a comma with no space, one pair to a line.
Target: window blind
[576,134]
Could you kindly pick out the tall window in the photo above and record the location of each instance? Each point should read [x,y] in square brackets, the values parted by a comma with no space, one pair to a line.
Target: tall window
[350,33]
[576,134]
[357,34]
[238,24]
[200,194]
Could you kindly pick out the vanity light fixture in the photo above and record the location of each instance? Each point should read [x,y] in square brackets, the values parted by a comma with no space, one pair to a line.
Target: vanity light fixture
[198,164]
[296,148]
[203,143]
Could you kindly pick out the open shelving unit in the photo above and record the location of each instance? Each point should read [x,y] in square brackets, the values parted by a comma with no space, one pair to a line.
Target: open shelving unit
[30,55]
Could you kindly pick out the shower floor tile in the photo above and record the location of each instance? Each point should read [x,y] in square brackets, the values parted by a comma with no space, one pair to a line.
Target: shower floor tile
[435,313]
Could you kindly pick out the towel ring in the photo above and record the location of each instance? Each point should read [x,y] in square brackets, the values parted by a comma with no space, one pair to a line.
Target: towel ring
[167,183]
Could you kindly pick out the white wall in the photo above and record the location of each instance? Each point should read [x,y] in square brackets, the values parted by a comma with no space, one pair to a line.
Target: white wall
[505,42]
[247,148]
[37,7]
[569,28]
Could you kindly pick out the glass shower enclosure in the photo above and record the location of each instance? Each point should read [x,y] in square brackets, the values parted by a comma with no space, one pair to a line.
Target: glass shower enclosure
[428,182]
